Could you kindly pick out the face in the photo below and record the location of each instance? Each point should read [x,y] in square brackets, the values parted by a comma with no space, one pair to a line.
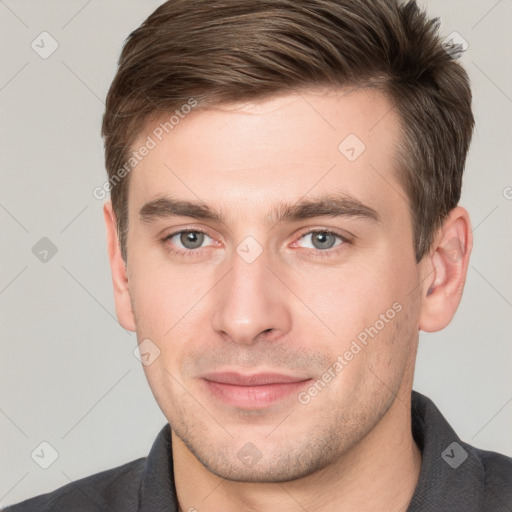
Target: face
[279,307]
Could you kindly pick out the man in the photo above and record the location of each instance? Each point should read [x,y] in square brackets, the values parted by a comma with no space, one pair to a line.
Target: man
[284,220]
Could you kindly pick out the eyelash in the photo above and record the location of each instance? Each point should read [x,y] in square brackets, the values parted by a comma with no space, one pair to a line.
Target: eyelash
[316,253]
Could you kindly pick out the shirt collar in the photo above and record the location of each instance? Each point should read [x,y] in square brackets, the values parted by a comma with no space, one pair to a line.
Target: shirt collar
[451,475]
[157,492]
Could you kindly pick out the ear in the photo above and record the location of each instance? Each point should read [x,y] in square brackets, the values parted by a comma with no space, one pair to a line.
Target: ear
[444,271]
[118,267]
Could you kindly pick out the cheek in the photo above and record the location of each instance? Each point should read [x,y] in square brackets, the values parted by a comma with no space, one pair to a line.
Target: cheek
[352,297]
[163,295]
[370,313]
[172,309]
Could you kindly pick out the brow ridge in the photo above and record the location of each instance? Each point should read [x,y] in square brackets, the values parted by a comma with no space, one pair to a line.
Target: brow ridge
[327,205]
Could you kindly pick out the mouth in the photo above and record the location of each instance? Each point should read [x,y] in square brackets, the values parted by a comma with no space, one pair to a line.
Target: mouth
[255,391]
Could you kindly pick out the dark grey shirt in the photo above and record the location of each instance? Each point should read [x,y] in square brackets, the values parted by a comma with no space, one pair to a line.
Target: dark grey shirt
[454,476]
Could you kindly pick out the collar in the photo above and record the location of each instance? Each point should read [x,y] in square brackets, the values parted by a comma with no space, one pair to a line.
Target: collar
[452,475]
[157,492]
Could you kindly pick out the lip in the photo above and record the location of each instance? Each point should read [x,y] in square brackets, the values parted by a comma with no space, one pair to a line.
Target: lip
[254,391]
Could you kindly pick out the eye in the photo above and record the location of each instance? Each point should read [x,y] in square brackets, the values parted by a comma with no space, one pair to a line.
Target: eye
[190,242]
[322,241]
[186,240]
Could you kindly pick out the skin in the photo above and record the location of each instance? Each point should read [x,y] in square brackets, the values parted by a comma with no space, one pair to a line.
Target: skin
[350,447]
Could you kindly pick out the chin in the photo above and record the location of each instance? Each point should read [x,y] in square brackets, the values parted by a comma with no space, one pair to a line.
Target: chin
[274,463]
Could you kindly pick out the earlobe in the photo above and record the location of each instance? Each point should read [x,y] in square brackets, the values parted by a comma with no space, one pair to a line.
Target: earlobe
[444,271]
[119,272]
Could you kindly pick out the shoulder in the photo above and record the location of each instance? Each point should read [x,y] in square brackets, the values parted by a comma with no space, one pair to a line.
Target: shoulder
[497,479]
[113,489]
[456,475]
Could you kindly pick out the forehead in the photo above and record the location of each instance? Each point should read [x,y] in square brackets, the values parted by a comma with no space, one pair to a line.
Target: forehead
[254,154]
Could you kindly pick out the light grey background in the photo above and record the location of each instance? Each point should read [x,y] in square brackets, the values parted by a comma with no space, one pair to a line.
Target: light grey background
[68,373]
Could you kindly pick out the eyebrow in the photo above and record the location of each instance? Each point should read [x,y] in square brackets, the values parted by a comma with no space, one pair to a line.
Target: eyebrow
[329,205]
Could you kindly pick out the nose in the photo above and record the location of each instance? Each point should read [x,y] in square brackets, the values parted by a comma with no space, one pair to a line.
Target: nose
[251,303]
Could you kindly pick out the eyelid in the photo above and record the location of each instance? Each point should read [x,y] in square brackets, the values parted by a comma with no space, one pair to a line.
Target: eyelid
[306,231]
[332,231]
[180,229]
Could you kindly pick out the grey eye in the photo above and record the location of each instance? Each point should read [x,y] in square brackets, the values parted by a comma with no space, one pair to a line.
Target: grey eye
[323,239]
[192,239]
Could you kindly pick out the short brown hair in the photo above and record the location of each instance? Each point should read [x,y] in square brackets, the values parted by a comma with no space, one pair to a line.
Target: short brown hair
[219,51]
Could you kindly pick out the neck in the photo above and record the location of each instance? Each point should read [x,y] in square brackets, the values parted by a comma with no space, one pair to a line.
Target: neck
[379,473]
